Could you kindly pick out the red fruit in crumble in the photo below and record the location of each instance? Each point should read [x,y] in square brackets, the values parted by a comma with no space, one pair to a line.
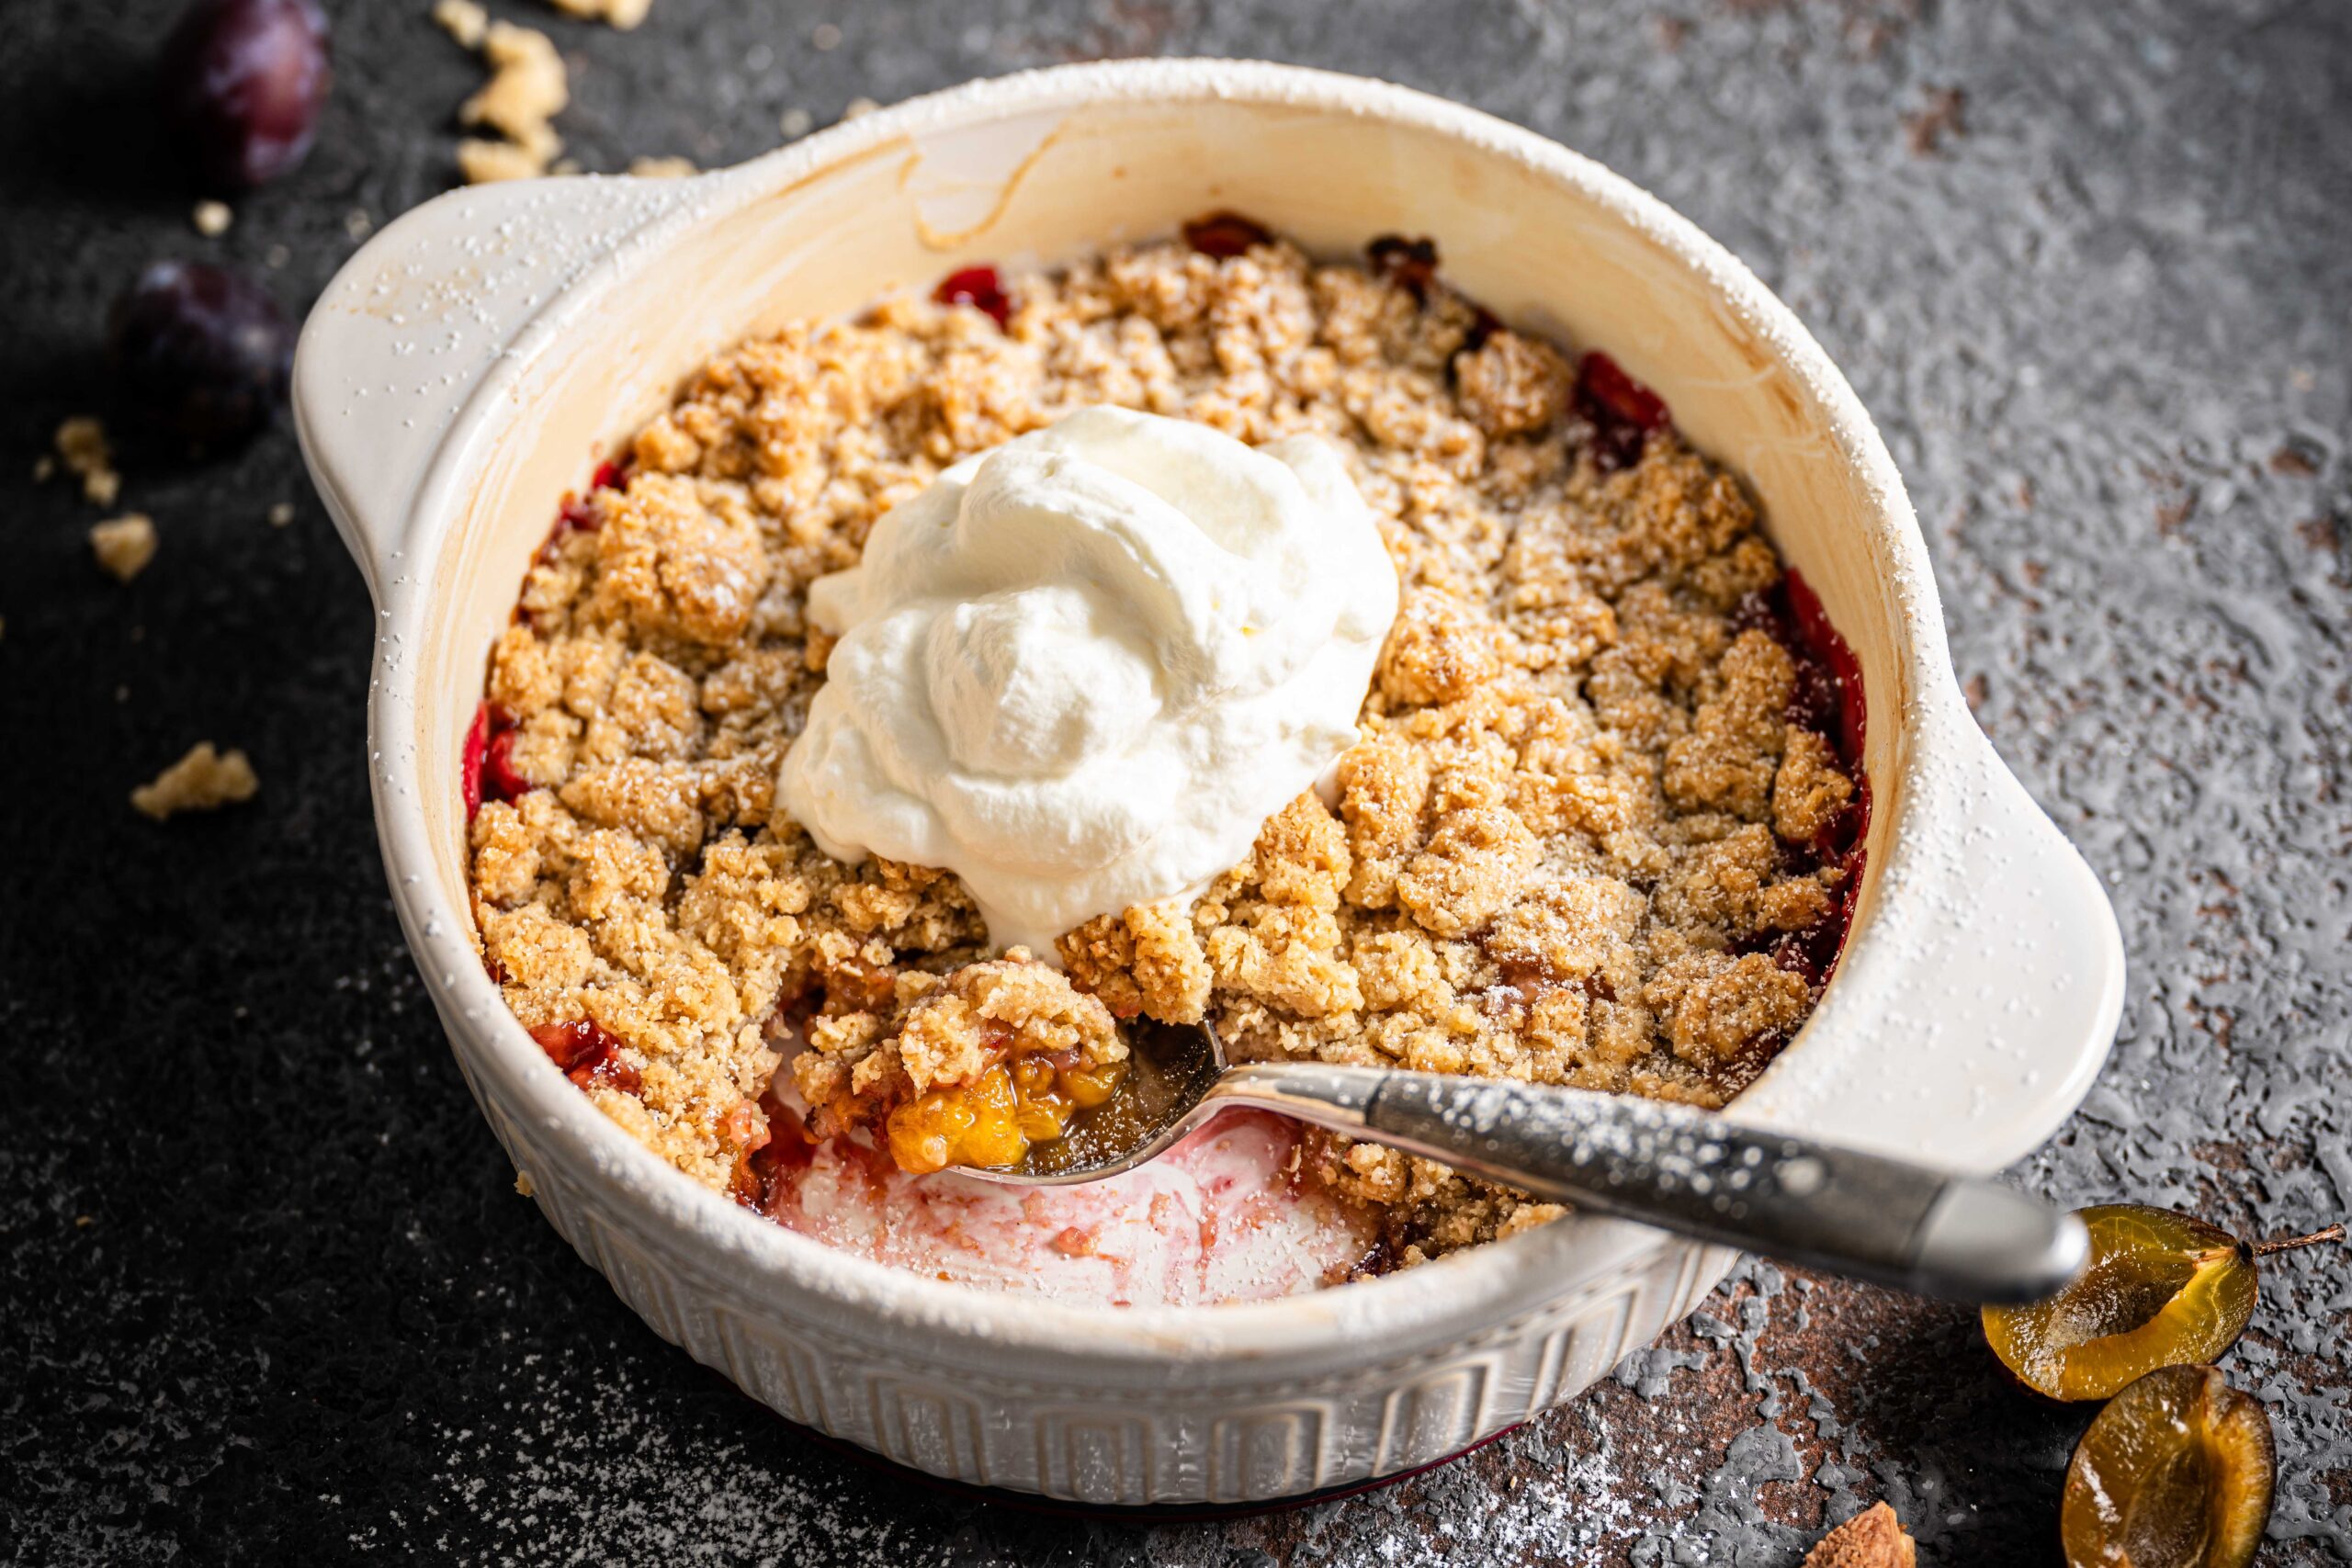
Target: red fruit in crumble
[979,287]
[1483,324]
[499,779]
[1225,235]
[1836,696]
[1411,264]
[587,1055]
[486,766]
[1824,700]
[580,514]
[1623,411]
[774,1144]
[470,760]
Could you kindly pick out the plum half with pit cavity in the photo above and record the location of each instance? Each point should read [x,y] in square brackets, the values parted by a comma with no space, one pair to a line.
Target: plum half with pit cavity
[2176,1473]
[2161,1289]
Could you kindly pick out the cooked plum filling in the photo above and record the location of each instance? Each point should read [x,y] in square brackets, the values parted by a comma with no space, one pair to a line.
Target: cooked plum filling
[1600,823]
[998,1058]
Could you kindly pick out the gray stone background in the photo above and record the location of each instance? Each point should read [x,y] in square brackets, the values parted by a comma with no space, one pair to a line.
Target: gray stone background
[266,1291]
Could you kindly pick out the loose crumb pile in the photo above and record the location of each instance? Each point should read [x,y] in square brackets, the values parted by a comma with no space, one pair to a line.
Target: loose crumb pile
[204,780]
[1577,831]
[124,544]
[529,86]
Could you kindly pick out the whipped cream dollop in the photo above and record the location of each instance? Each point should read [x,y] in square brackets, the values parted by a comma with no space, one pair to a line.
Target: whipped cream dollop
[1082,669]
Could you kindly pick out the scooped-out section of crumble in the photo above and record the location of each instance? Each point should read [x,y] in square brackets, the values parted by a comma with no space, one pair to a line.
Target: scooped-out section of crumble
[1228,1215]
[1599,827]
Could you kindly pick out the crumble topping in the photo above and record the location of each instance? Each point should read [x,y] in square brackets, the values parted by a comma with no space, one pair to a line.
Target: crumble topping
[1581,840]
[204,780]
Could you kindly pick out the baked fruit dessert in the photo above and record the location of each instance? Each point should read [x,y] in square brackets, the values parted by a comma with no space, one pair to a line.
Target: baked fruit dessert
[1201,632]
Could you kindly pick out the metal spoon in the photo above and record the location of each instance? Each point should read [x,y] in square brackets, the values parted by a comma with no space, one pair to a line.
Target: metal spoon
[1690,1171]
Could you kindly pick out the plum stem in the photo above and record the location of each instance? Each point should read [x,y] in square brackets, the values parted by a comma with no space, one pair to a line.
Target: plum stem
[2290,1243]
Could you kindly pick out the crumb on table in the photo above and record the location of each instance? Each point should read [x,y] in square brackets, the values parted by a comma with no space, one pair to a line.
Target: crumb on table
[124,544]
[621,14]
[204,780]
[463,20]
[529,86]
[82,447]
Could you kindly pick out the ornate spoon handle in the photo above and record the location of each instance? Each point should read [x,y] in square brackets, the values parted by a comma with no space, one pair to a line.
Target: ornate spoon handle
[1695,1173]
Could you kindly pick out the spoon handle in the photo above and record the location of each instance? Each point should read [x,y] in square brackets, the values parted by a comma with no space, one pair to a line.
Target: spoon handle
[1694,1172]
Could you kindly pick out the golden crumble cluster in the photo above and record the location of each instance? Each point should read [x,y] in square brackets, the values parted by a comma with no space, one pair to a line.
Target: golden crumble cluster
[204,780]
[1580,841]
[1001,1054]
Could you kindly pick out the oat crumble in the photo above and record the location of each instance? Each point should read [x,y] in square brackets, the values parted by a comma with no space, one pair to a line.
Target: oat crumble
[1584,839]
[622,15]
[462,21]
[82,447]
[204,780]
[529,86]
[124,544]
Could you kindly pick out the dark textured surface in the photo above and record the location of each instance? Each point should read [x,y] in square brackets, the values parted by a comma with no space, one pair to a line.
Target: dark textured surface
[266,1288]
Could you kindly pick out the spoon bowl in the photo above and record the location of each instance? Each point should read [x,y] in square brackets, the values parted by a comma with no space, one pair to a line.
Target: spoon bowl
[1171,1070]
[1695,1172]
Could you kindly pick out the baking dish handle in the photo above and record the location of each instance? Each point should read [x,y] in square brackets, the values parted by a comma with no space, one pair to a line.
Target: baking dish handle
[1994,973]
[420,321]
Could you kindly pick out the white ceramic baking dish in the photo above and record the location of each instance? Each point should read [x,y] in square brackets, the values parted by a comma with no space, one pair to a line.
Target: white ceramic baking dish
[469,362]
